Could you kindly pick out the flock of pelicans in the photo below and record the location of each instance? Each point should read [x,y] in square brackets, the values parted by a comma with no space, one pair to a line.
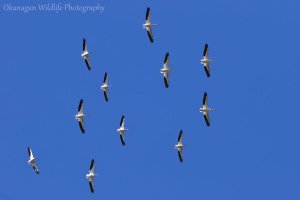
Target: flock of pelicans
[205,109]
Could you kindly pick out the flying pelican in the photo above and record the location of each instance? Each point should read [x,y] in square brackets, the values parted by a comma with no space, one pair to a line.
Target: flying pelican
[165,70]
[80,116]
[148,25]
[85,54]
[91,175]
[122,129]
[105,86]
[31,160]
[205,109]
[179,146]
[205,61]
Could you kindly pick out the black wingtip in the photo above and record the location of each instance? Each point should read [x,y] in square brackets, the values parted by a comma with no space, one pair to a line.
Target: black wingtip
[83,44]
[180,156]
[87,64]
[105,76]
[92,164]
[105,96]
[150,36]
[121,121]
[166,82]
[207,72]
[180,135]
[206,121]
[81,128]
[122,140]
[147,12]
[204,97]
[205,49]
[91,187]
[166,57]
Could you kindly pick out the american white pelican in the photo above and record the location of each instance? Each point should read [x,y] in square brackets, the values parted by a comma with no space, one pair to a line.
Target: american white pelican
[105,86]
[205,61]
[85,54]
[205,109]
[165,70]
[179,146]
[122,129]
[31,160]
[148,25]
[80,116]
[91,175]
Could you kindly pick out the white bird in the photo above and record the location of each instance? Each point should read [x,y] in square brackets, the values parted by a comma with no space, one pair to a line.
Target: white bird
[85,54]
[165,70]
[80,116]
[205,109]
[179,146]
[122,129]
[148,25]
[105,86]
[31,160]
[205,61]
[91,175]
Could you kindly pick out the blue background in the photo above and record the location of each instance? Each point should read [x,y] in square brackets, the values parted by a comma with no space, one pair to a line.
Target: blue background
[251,150]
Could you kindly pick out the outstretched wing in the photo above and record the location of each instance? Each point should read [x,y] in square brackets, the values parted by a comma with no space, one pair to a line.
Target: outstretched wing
[35,168]
[166,79]
[180,137]
[91,183]
[206,68]
[149,33]
[180,154]
[148,15]
[29,152]
[87,62]
[80,106]
[92,166]
[84,45]
[206,118]
[166,61]
[105,95]
[105,78]
[122,139]
[81,125]
[122,121]
[205,52]
[205,99]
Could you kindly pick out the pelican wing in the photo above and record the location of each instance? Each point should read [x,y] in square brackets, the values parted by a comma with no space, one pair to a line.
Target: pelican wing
[166,61]
[105,78]
[87,62]
[84,47]
[105,96]
[81,125]
[180,154]
[205,99]
[166,79]
[205,52]
[35,168]
[148,15]
[80,106]
[92,166]
[29,152]
[150,35]
[122,139]
[206,68]
[206,118]
[122,121]
[91,183]
[180,137]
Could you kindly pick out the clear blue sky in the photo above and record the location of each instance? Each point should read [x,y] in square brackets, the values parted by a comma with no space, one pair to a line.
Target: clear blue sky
[251,151]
